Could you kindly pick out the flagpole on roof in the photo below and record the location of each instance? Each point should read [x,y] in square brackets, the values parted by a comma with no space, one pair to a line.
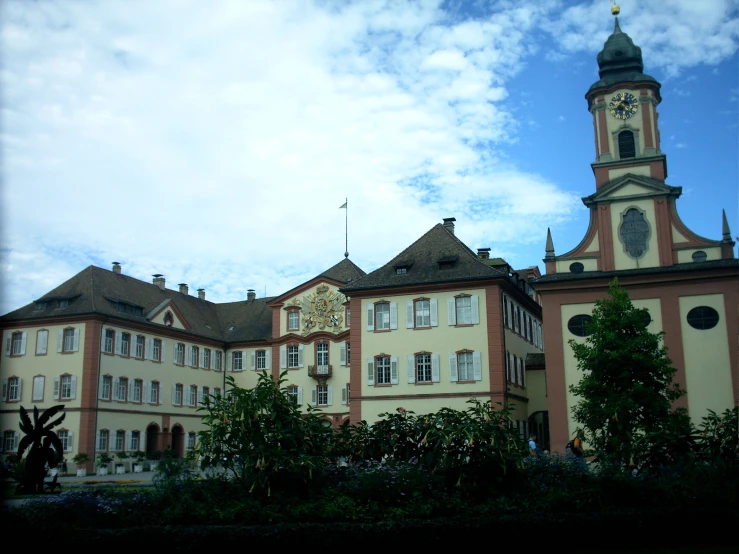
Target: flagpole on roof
[346,229]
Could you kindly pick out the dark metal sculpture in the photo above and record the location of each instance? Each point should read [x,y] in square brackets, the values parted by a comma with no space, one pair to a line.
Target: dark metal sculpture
[46,450]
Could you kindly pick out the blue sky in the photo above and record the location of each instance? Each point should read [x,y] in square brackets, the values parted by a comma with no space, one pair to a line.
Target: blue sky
[214,142]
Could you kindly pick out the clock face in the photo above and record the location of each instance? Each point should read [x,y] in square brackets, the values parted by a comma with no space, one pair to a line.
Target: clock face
[623,105]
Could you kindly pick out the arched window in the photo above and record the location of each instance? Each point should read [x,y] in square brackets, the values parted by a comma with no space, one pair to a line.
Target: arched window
[626,145]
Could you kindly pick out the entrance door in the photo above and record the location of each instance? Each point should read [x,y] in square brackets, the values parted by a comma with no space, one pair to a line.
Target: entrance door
[152,439]
[177,442]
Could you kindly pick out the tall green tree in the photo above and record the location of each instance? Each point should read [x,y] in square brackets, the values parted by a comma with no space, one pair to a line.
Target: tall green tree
[627,388]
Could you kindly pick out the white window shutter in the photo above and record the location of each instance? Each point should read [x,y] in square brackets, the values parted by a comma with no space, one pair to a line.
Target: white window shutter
[394,370]
[300,355]
[526,325]
[114,392]
[57,380]
[230,362]
[129,437]
[60,340]
[174,394]
[161,394]
[102,340]
[147,392]
[434,312]
[70,444]
[477,365]
[520,371]
[342,354]
[73,392]
[130,389]
[200,396]
[268,359]
[117,340]
[451,305]
[76,341]
[453,374]
[371,372]
[283,356]
[510,315]
[507,367]
[371,317]
[148,348]
[435,368]
[253,361]
[201,360]
[313,396]
[523,372]
[475,309]
[330,395]
[411,365]
[343,395]
[161,351]
[300,396]
[8,341]
[393,315]
[20,390]
[5,390]
[188,354]
[24,338]
[409,314]
[43,342]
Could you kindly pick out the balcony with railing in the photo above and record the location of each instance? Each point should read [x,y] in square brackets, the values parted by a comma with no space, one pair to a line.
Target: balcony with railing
[320,371]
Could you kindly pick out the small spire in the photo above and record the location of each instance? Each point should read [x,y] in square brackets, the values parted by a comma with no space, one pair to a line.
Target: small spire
[550,246]
[725,228]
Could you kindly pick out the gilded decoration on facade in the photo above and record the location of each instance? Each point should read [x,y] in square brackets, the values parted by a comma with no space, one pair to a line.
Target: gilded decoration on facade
[323,310]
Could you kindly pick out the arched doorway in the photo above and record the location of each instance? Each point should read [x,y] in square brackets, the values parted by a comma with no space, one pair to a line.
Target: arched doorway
[152,439]
[178,442]
[539,424]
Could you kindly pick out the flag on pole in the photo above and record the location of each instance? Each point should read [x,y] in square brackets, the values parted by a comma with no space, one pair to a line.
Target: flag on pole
[343,205]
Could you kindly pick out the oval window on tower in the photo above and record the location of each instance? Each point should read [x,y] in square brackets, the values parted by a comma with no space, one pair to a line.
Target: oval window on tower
[577,267]
[699,256]
[703,318]
[578,325]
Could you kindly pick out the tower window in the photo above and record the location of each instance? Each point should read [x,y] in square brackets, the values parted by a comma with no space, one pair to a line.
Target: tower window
[626,145]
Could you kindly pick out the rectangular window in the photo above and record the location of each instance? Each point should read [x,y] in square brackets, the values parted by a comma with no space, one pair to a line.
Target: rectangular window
[293,320]
[109,340]
[66,387]
[238,361]
[68,340]
[382,366]
[292,394]
[179,354]
[292,356]
[120,437]
[42,342]
[154,393]
[135,440]
[122,389]
[138,385]
[465,366]
[64,439]
[192,393]
[18,349]
[140,341]
[10,442]
[206,358]
[382,316]
[14,389]
[217,360]
[348,317]
[261,360]
[348,354]
[102,440]
[194,353]
[105,387]
[125,344]
[322,358]
[217,392]
[177,399]
[423,368]
[191,440]
[423,313]
[38,388]
[156,350]
[322,395]
[464,310]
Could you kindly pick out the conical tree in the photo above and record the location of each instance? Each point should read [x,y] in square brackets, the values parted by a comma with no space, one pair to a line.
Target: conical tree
[627,387]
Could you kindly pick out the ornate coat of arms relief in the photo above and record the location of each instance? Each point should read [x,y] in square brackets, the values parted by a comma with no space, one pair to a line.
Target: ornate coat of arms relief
[322,311]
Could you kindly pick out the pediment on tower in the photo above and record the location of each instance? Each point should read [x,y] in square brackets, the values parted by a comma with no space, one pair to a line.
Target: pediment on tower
[631,187]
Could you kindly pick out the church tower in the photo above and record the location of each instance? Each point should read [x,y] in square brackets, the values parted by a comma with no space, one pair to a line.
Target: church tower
[636,235]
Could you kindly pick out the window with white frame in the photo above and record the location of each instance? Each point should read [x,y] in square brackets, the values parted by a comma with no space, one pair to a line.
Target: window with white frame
[348,354]
[135,440]
[13,390]
[465,366]
[194,353]
[382,316]
[463,306]
[217,359]
[422,311]
[191,436]
[238,361]
[292,394]
[206,358]
[261,360]
[192,394]
[382,370]
[137,390]
[68,340]
[102,445]
[125,344]
[19,346]
[154,392]
[42,342]
[179,354]
[66,387]
[120,440]
[348,316]
[322,395]
[322,357]
[293,320]
[140,346]
[106,385]
[206,393]
[10,441]
[39,383]
[64,439]
[423,368]
[293,356]
[177,395]
[217,392]
[121,390]
[156,350]
[108,341]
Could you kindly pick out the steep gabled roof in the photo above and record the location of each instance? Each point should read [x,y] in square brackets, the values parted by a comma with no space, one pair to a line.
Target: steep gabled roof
[245,320]
[422,261]
[345,271]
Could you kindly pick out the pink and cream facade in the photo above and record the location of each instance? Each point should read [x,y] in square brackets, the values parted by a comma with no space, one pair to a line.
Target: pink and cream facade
[687,282]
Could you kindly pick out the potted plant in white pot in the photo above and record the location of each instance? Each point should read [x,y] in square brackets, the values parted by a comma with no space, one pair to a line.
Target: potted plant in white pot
[154,458]
[103,461]
[120,467]
[81,459]
[138,458]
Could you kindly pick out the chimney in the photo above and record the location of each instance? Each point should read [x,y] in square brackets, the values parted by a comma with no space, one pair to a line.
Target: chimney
[183,288]
[483,253]
[159,280]
[117,267]
[449,224]
[201,294]
[251,295]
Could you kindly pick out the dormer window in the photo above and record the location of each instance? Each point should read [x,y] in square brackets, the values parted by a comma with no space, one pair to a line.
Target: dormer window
[40,306]
[62,303]
[626,145]
[401,270]
[447,262]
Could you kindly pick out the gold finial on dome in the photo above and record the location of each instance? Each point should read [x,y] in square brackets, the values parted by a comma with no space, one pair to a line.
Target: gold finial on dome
[615,9]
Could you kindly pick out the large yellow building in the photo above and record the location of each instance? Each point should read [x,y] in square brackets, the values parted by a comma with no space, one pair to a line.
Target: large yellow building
[687,282]
[132,361]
